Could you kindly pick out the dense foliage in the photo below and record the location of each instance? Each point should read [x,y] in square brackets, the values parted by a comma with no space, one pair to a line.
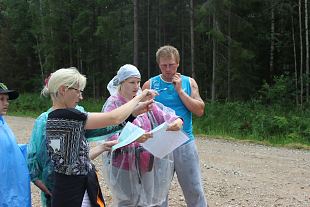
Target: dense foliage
[254,121]
[30,104]
[235,49]
[250,58]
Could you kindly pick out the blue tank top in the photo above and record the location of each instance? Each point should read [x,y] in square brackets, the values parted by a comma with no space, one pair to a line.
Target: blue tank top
[170,98]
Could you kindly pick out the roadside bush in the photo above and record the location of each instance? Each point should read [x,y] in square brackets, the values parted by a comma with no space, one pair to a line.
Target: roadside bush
[253,120]
[281,92]
[31,104]
[241,120]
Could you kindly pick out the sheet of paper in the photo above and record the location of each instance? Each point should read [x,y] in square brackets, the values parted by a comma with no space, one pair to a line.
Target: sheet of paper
[128,135]
[160,129]
[164,142]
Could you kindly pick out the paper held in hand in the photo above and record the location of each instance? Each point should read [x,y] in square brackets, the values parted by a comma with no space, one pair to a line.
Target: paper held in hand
[129,134]
[164,142]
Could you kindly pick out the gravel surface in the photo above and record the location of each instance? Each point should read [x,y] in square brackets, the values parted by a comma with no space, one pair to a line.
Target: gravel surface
[233,173]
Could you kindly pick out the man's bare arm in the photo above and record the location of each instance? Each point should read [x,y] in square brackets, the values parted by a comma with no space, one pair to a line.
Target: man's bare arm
[193,103]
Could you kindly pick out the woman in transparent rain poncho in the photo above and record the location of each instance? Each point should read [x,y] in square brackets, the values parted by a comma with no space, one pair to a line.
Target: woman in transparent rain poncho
[135,177]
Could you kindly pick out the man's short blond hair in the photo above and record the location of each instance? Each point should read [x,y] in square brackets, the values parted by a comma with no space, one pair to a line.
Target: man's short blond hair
[167,51]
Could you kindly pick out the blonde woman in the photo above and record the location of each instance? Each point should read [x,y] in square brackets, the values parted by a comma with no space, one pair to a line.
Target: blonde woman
[65,135]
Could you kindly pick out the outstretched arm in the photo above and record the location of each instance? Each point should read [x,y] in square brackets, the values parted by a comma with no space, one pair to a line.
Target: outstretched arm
[118,115]
[106,146]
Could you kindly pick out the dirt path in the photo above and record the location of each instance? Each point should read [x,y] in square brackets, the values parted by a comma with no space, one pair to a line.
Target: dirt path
[234,174]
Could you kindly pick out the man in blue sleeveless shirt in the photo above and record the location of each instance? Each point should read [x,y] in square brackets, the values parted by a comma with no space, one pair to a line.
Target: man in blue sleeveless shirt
[181,93]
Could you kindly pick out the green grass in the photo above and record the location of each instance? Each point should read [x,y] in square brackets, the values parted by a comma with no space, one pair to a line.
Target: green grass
[29,104]
[32,105]
[252,121]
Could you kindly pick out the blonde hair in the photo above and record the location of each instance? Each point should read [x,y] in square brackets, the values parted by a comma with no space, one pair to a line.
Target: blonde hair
[69,77]
[167,51]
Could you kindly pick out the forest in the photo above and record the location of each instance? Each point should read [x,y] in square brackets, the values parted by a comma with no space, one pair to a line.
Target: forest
[233,48]
[253,52]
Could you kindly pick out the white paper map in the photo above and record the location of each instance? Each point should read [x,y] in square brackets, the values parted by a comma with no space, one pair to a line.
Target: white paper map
[128,135]
[164,142]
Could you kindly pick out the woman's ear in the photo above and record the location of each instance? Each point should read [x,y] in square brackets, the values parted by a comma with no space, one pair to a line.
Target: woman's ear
[62,90]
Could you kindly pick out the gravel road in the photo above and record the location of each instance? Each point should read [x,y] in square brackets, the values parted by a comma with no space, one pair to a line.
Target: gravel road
[233,173]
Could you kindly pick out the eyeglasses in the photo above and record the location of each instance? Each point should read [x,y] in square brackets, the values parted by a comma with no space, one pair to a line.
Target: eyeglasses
[78,90]
[168,65]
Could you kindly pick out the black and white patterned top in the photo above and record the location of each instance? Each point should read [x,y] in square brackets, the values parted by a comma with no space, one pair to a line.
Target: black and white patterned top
[66,142]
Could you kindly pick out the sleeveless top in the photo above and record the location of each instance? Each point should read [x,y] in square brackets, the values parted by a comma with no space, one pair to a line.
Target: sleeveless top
[170,98]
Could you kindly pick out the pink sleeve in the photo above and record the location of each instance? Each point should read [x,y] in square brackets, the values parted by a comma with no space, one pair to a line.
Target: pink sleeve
[162,116]
[112,103]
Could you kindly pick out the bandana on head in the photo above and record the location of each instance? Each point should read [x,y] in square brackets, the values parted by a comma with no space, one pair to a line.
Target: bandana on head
[126,71]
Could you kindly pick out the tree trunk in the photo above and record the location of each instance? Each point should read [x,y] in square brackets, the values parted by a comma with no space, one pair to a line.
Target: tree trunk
[80,60]
[214,61]
[159,24]
[135,33]
[182,54]
[272,32]
[52,37]
[295,62]
[307,51]
[37,41]
[40,60]
[191,10]
[148,41]
[94,86]
[70,47]
[182,43]
[71,37]
[301,55]
[229,56]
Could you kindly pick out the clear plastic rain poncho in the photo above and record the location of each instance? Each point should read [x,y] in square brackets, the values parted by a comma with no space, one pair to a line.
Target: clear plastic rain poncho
[135,177]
